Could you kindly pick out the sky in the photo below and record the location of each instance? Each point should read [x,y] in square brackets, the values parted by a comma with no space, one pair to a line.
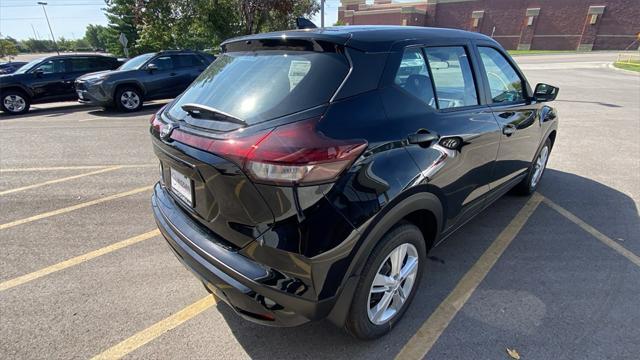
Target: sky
[23,19]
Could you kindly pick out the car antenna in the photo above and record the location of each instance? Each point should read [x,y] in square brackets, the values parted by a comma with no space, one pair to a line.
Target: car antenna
[303,23]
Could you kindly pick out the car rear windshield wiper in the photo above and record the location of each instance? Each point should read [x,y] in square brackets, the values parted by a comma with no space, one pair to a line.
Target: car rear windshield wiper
[206,112]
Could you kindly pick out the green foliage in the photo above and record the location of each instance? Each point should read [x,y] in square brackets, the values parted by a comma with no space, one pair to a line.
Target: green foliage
[152,25]
[96,36]
[8,48]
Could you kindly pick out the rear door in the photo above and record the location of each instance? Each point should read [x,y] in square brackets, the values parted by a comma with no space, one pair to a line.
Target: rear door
[188,67]
[437,89]
[518,118]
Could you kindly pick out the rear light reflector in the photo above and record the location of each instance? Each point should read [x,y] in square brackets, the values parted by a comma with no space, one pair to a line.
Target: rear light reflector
[298,154]
[291,154]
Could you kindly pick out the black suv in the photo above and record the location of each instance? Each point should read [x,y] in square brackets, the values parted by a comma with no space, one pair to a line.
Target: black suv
[48,79]
[150,76]
[306,174]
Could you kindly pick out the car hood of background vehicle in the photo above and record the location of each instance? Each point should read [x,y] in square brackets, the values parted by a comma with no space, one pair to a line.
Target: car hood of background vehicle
[6,78]
[106,74]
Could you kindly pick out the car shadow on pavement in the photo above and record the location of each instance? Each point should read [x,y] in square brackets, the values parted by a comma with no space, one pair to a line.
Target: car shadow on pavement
[147,109]
[48,111]
[608,210]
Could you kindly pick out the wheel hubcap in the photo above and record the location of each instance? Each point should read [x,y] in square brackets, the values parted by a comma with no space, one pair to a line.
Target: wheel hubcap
[130,100]
[538,167]
[14,103]
[393,284]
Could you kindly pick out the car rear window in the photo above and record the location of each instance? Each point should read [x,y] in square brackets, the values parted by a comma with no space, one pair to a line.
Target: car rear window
[263,85]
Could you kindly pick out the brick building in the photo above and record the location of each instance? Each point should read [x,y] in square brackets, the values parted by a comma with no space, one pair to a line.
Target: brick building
[516,24]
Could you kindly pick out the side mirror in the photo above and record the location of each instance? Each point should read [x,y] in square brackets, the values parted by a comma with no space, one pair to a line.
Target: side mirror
[544,93]
[152,67]
[38,72]
[439,65]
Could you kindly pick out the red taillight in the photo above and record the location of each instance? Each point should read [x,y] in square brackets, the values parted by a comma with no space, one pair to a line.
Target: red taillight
[298,154]
[290,154]
[155,123]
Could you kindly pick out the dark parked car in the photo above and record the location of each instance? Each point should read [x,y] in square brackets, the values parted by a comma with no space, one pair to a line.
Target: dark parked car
[306,174]
[10,67]
[48,79]
[150,76]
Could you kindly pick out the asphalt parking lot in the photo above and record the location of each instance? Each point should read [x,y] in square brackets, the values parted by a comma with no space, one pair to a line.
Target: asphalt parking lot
[84,273]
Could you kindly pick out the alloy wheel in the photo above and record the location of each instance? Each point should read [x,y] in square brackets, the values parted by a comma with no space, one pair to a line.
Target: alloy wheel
[392,284]
[539,166]
[130,100]
[14,103]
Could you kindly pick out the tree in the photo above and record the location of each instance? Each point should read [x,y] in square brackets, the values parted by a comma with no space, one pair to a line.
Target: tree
[96,36]
[152,25]
[124,16]
[8,48]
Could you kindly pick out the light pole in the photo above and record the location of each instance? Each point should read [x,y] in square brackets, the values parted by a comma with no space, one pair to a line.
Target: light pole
[53,38]
[321,13]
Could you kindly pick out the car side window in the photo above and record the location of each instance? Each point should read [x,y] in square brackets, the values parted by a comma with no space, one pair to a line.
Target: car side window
[80,64]
[504,82]
[55,66]
[413,76]
[164,63]
[187,60]
[452,76]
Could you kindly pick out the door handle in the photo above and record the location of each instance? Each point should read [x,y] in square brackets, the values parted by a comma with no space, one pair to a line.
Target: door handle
[173,74]
[509,129]
[422,137]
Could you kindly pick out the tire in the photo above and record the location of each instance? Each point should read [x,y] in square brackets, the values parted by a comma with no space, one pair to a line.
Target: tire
[530,183]
[363,321]
[15,102]
[128,99]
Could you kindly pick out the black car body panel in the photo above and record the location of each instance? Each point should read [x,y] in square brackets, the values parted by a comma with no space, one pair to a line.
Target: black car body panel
[55,81]
[316,237]
[10,67]
[162,83]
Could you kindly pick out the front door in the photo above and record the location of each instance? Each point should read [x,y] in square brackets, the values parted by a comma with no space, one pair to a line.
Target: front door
[518,117]
[49,80]
[163,81]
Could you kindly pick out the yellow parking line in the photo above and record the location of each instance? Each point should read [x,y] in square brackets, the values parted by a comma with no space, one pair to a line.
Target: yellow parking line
[154,331]
[597,234]
[81,167]
[76,260]
[423,340]
[55,181]
[73,207]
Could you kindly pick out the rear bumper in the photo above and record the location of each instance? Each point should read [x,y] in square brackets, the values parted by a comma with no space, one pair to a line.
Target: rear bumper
[234,278]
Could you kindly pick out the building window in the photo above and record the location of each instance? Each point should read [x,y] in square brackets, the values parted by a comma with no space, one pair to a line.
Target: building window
[594,19]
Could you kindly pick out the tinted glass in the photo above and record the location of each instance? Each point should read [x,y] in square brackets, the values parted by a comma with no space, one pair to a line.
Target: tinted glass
[55,66]
[187,60]
[163,62]
[262,85]
[452,76]
[26,67]
[504,82]
[81,64]
[136,62]
[413,76]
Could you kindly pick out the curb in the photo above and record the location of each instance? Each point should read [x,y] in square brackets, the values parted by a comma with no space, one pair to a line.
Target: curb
[611,66]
